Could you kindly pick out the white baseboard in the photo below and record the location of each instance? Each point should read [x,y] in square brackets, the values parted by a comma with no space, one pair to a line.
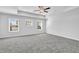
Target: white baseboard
[65,36]
[20,36]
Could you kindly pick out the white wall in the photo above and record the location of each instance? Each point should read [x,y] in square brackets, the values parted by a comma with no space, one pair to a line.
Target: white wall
[0,28]
[65,24]
[25,13]
[23,29]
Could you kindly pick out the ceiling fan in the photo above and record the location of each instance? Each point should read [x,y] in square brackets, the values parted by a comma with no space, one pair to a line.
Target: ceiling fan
[42,9]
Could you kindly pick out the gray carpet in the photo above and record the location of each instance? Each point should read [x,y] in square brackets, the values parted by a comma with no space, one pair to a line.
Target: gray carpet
[42,43]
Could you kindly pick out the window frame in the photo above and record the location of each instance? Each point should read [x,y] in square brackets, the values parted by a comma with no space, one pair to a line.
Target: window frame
[29,21]
[40,21]
[9,21]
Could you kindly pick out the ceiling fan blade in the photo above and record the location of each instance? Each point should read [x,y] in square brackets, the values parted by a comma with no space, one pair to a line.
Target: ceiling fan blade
[47,8]
[46,11]
[36,10]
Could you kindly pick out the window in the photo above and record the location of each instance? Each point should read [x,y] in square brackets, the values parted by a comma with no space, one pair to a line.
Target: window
[13,25]
[39,25]
[28,22]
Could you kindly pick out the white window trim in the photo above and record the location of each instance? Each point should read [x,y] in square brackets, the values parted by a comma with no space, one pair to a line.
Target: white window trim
[9,25]
[41,25]
[30,24]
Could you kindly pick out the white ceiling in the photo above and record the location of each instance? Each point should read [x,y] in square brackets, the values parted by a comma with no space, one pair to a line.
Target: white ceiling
[61,9]
[53,10]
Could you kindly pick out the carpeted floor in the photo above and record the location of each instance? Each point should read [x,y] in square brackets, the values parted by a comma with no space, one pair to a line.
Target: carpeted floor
[42,43]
